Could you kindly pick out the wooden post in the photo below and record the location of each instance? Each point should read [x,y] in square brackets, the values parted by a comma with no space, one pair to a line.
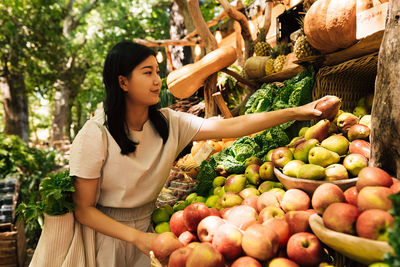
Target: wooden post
[385,116]
[221,105]
[168,53]
[239,46]
[210,44]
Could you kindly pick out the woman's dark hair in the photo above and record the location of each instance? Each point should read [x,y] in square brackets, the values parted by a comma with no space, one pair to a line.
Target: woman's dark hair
[121,60]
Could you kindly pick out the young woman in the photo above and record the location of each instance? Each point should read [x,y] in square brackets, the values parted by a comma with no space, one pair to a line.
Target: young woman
[129,149]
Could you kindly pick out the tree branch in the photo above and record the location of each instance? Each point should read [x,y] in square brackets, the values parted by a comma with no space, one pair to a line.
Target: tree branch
[244,24]
[71,22]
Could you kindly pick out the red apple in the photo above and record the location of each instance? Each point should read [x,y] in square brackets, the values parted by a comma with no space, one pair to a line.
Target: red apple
[295,199]
[242,216]
[214,212]
[374,224]
[246,261]
[395,188]
[281,156]
[205,255]
[207,228]
[298,221]
[304,249]
[341,217]
[177,223]
[374,197]
[351,195]
[179,257]
[269,213]
[224,211]
[268,199]
[187,237]
[360,147]
[281,228]
[193,214]
[373,176]
[282,262]
[251,201]
[228,241]
[326,194]
[165,244]
[260,242]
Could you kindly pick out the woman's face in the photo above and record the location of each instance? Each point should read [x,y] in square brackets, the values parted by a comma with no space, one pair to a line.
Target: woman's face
[144,84]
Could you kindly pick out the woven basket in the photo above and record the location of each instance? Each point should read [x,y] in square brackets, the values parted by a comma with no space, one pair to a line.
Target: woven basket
[350,80]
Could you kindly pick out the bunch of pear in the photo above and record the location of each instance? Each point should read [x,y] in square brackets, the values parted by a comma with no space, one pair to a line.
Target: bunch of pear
[231,191]
[335,148]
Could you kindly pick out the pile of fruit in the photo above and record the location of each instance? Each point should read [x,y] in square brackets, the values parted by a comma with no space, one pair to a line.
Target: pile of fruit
[361,210]
[335,148]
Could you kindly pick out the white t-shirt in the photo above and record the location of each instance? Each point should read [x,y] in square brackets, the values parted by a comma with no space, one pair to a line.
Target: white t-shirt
[130,181]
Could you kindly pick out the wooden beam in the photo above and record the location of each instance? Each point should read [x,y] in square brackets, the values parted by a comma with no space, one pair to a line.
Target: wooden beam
[239,78]
[221,105]
[239,45]
[158,43]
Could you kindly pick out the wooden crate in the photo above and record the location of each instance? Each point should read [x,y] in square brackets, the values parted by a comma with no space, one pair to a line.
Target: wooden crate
[12,244]
[350,80]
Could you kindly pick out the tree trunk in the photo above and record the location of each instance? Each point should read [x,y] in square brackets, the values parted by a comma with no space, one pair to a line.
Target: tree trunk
[15,102]
[179,22]
[385,116]
[61,106]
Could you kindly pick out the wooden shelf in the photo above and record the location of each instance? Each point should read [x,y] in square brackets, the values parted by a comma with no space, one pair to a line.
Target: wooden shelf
[282,75]
[365,46]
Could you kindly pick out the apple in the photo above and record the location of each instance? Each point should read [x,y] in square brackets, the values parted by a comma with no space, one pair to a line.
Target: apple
[373,176]
[374,224]
[298,221]
[214,212]
[268,199]
[281,228]
[326,194]
[341,217]
[282,262]
[250,201]
[246,261]
[224,211]
[305,249]
[260,242]
[281,156]
[360,147]
[395,188]
[193,214]
[269,213]
[179,257]
[228,241]
[249,192]
[354,163]
[164,244]
[187,237]
[177,223]
[374,197]
[207,228]
[242,216]
[295,199]
[204,254]
[266,171]
[351,195]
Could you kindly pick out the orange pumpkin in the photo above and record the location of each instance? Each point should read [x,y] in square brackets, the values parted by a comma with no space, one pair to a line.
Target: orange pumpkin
[331,24]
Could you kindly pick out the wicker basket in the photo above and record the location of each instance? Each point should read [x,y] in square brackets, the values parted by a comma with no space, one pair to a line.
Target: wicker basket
[350,80]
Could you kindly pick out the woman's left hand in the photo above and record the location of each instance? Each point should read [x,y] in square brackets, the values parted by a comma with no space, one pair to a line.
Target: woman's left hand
[308,111]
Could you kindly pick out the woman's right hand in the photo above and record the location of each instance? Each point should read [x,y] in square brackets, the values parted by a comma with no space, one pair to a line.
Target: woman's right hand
[144,241]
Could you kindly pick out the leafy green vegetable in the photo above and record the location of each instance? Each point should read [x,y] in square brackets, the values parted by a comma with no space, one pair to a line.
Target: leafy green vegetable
[206,176]
[55,198]
[394,233]
[243,148]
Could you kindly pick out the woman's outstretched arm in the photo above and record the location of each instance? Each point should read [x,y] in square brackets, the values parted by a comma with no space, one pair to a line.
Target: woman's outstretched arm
[252,123]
